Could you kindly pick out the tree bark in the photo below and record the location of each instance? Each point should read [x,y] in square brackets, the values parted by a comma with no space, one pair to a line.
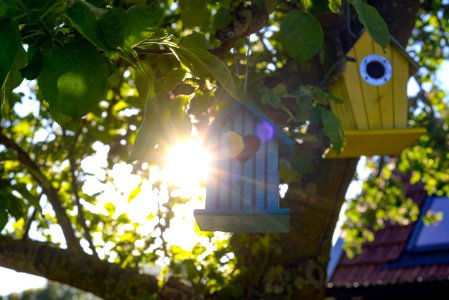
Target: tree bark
[101,278]
[315,213]
[296,265]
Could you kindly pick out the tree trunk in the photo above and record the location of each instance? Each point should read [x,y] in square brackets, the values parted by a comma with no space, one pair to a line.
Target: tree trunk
[294,265]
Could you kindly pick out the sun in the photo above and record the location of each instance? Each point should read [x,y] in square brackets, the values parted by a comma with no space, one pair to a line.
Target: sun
[186,164]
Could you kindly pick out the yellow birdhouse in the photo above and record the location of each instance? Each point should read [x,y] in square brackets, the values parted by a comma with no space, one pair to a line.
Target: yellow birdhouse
[375,104]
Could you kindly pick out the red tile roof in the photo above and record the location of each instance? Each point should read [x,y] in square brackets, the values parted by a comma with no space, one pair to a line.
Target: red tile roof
[368,268]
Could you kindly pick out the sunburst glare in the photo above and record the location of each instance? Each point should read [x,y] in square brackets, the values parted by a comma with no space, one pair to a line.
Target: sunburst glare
[186,165]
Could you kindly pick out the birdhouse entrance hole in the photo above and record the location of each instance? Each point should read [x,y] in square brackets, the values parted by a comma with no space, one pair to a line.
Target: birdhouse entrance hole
[242,191]
[375,69]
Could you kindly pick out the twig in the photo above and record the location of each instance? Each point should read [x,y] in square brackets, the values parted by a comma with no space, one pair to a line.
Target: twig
[28,225]
[152,51]
[75,190]
[381,165]
[261,37]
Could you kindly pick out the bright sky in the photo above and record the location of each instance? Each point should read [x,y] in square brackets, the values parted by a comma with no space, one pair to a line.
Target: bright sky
[179,170]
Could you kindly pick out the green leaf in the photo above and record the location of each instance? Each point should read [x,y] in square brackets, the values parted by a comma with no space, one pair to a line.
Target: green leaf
[37,6]
[3,218]
[164,120]
[172,79]
[335,5]
[8,8]
[143,20]
[60,118]
[286,172]
[13,80]
[194,13]
[374,23]
[196,40]
[307,4]
[145,81]
[146,139]
[332,129]
[9,45]
[317,95]
[270,97]
[21,188]
[85,18]
[16,208]
[221,18]
[202,63]
[301,35]
[68,80]
[110,208]
[134,192]
[32,70]
[113,24]
[126,29]
[4,205]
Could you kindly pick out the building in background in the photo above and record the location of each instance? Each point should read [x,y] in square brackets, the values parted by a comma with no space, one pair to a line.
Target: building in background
[403,262]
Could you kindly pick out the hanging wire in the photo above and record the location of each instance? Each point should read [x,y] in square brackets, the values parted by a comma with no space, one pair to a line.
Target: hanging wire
[247,54]
[348,19]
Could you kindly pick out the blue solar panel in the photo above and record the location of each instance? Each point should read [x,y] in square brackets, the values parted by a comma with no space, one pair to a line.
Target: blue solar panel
[432,236]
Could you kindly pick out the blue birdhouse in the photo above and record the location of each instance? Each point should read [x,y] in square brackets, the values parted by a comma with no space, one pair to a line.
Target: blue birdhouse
[242,191]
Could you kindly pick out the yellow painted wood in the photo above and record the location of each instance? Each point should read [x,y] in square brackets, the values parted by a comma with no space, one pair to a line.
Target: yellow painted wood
[377,142]
[354,89]
[364,47]
[385,91]
[343,110]
[401,73]
[374,118]
[348,110]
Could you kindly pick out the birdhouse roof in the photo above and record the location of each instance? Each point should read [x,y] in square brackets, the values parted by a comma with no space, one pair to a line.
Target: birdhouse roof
[414,66]
[233,108]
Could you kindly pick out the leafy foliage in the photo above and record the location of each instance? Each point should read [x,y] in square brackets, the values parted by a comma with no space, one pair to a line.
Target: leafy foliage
[68,81]
[9,47]
[301,35]
[373,22]
[202,63]
[423,164]
[85,18]
[116,83]
[53,291]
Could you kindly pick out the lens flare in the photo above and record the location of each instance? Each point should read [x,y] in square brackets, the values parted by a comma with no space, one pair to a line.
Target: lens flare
[186,164]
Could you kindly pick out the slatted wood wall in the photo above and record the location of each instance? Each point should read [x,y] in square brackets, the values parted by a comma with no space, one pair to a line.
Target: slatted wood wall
[233,185]
[372,107]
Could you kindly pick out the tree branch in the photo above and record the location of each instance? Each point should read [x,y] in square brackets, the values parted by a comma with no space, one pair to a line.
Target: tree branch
[79,270]
[75,190]
[48,189]
[28,224]
[247,20]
